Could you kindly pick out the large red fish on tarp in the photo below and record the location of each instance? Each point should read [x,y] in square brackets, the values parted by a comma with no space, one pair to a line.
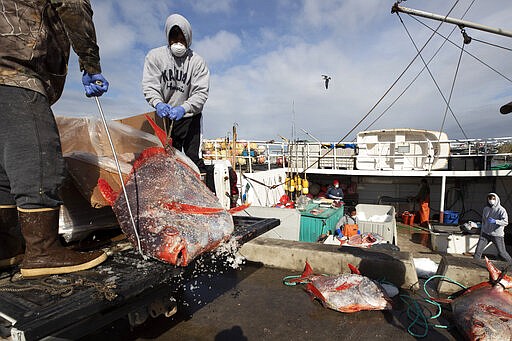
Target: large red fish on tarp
[176,215]
[484,311]
[345,292]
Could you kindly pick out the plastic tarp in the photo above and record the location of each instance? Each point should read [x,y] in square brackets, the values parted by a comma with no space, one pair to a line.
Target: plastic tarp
[88,156]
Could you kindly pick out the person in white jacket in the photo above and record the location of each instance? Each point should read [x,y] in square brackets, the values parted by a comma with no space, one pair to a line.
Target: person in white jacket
[176,82]
[494,221]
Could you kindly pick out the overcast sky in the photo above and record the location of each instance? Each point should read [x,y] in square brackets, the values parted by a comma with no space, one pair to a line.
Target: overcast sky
[267,58]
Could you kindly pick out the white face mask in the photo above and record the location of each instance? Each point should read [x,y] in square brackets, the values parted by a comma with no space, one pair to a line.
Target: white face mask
[492,202]
[178,49]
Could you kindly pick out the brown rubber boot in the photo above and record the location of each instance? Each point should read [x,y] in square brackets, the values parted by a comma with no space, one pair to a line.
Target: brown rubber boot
[44,254]
[11,240]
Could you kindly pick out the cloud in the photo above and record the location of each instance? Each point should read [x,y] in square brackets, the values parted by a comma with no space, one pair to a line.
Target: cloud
[218,48]
[209,7]
[267,59]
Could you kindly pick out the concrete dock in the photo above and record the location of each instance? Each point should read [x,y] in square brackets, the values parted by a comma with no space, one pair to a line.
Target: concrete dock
[252,303]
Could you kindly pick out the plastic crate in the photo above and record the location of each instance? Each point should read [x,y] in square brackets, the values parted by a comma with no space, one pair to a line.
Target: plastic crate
[386,229]
[451,218]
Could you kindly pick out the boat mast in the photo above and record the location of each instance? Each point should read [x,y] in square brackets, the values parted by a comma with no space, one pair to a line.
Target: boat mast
[461,23]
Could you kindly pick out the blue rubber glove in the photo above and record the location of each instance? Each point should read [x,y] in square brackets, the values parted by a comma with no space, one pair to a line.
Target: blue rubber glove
[491,220]
[95,85]
[163,109]
[177,113]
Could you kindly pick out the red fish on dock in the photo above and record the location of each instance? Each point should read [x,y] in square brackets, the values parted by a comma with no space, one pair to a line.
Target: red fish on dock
[345,292]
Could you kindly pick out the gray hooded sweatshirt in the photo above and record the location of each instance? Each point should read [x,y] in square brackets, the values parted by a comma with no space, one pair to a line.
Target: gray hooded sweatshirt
[498,213]
[174,80]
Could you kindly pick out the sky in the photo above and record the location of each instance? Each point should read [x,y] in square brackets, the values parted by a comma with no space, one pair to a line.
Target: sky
[267,58]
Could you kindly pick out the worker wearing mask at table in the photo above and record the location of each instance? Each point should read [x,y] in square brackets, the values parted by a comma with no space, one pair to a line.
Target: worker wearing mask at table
[175,82]
[349,218]
[335,192]
[494,221]
[35,39]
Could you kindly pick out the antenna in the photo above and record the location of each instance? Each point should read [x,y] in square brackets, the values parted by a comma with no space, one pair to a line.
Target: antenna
[293,120]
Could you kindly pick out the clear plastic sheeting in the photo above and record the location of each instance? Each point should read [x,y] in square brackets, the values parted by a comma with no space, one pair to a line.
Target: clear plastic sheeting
[89,157]
[87,134]
[77,219]
[88,154]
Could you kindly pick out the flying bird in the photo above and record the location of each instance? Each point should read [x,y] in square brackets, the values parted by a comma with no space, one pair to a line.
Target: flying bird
[326,79]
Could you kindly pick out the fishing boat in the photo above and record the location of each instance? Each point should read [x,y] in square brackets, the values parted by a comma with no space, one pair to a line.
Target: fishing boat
[385,166]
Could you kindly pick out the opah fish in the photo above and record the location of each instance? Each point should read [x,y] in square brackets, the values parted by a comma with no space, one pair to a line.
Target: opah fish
[176,215]
[347,293]
[484,311]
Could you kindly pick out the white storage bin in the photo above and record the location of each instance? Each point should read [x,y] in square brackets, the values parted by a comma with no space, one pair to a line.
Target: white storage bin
[378,219]
[456,243]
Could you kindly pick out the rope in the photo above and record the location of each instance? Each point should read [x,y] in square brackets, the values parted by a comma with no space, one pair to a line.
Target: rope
[419,314]
[261,183]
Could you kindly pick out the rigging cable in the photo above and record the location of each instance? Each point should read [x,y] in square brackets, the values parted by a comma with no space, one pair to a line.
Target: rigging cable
[469,53]
[491,44]
[421,71]
[432,76]
[451,89]
[408,86]
[385,93]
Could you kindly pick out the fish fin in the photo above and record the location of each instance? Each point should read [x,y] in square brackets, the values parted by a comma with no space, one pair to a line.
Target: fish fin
[145,155]
[354,269]
[159,132]
[344,286]
[191,209]
[107,191]
[308,270]
[502,314]
[239,208]
[496,275]
[315,292]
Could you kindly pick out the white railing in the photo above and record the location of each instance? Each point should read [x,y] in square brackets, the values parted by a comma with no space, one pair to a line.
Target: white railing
[249,155]
[475,154]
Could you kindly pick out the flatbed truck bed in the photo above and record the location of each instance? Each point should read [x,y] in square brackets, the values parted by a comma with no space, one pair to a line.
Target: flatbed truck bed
[73,305]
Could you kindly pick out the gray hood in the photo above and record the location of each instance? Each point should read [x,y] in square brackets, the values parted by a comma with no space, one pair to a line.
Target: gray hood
[498,202]
[182,23]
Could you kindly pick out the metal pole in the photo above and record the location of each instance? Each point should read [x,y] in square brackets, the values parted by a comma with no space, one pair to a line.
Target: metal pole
[458,22]
[120,174]
[441,204]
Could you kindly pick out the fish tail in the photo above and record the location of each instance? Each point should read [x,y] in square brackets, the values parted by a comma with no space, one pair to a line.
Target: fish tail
[308,270]
[107,191]
[159,132]
[497,276]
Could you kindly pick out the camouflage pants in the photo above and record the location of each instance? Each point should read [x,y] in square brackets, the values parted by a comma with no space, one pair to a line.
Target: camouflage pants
[31,164]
